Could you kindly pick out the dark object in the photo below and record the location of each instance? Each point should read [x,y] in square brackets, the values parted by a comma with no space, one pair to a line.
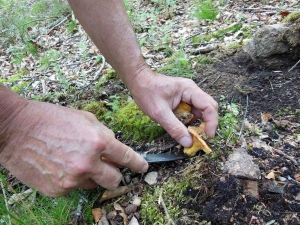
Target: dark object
[162,157]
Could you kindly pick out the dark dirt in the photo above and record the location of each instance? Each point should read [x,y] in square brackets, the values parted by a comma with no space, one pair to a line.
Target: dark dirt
[220,198]
[268,92]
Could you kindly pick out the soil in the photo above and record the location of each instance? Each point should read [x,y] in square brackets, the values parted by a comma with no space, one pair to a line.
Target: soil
[221,198]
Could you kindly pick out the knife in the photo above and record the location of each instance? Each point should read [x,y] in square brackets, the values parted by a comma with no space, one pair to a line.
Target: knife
[154,158]
[162,157]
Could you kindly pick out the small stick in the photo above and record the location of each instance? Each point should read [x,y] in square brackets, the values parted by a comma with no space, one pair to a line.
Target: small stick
[5,200]
[279,152]
[243,123]
[161,201]
[294,66]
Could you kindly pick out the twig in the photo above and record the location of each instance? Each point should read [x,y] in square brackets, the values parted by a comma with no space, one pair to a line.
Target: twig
[5,200]
[245,114]
[294,66]
[285,155]
[62,21]
[161,202]
[97,75]
[216,79]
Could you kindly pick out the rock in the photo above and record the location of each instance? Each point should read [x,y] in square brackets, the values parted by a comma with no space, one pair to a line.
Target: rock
[275,46]
[251,188]
[240,164]
[151,178]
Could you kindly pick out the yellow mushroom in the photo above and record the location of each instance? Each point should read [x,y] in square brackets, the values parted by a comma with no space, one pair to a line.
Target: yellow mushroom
[198,143]
[183,112]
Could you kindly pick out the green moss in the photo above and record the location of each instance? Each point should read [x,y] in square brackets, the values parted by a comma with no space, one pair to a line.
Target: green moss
[134,123]
[220,34]
[291,17]
[204,59]
[110,74]
[172,193]
[97,108]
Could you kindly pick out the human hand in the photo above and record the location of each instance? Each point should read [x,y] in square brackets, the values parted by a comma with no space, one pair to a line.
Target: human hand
[56,149]
[158,95]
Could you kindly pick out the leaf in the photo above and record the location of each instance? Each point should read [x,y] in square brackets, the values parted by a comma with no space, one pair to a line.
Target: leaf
[97,214]
[109,194]
[271,175]
[122,213]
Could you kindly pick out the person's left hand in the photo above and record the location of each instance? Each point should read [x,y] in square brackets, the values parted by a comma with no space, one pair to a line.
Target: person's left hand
[158,95]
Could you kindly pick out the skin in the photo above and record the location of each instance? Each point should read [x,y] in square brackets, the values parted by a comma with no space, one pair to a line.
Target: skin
[55,149]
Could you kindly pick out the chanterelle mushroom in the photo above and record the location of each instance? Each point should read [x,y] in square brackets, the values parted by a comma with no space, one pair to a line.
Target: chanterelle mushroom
[183,112]
[198,143]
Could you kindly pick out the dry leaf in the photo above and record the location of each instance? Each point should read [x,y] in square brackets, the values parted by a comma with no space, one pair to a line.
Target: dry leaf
[122,213]
[265,117]
[97,214]
[270,175]
[109,194]
[183,112]
[198,143]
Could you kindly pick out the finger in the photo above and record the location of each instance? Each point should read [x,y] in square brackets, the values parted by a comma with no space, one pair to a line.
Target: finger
[197,114]
[209,108]
[174,127]
[107,176]
[123,155]
[89,184]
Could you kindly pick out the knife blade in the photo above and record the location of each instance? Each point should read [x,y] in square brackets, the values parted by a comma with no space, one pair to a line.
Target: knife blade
[162,157]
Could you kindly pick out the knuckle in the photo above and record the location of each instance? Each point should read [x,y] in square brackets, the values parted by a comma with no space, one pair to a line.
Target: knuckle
[98,142]
[110,180]
[175,132]
[127,157]
[157,112]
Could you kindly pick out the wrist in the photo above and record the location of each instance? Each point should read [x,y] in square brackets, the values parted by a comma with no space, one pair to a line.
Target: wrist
[11,104]
[138,79]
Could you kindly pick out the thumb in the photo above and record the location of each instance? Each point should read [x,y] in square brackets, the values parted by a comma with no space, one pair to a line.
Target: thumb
[175,128]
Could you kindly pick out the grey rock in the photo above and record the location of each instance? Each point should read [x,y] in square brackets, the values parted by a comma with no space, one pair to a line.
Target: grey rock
[240,164]
[275,46]
[151,178]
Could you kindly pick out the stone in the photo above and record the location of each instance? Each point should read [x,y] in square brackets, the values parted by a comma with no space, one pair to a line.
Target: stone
[151,178]
[251,188]
[275,46]
[241,165]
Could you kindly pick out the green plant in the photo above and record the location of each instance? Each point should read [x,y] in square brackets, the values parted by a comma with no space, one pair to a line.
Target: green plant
[49,59]
[228,122]
[114,105]
[38,209]
[206,9]
[177,65]
[18,16]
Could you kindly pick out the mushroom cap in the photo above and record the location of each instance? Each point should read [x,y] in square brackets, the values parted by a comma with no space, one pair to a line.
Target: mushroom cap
[198,143]
[183,112]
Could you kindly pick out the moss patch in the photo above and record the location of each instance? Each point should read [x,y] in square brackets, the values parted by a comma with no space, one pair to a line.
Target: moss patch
[134,123]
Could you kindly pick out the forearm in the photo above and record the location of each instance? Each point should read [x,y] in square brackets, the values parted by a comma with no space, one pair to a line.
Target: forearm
[107,24]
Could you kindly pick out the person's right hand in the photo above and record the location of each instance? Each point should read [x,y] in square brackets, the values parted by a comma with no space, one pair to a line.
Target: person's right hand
[56,149]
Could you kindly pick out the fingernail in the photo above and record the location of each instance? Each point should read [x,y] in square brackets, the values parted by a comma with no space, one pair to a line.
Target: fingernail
[186,141]
[145,168]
